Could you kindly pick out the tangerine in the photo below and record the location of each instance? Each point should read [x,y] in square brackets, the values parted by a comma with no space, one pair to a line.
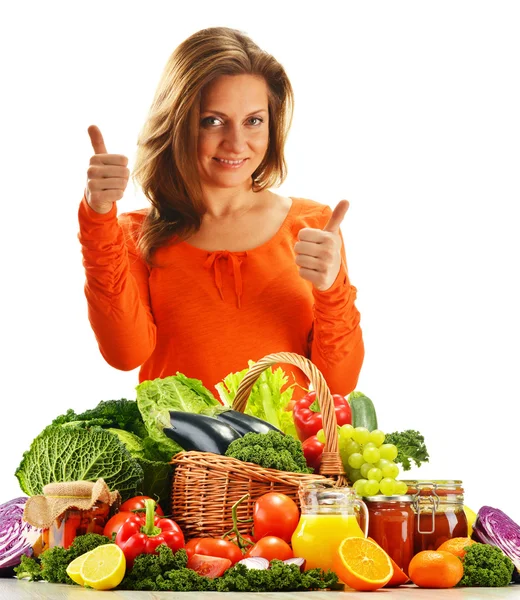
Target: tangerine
[435,569]
[456,545]
[362,564]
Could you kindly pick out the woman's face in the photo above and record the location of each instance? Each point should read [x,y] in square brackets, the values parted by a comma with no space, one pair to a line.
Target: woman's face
[234,126]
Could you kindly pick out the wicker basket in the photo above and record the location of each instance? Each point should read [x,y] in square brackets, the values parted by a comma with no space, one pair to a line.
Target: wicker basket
[206,485]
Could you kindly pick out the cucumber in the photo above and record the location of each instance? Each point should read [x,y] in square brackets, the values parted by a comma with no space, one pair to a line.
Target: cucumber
[363,411]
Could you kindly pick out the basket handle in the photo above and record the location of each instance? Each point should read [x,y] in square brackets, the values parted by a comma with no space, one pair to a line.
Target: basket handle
[331,464]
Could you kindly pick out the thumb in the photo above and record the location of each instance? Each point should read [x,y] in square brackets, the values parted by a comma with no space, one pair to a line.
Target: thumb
[337,217]
[96,139]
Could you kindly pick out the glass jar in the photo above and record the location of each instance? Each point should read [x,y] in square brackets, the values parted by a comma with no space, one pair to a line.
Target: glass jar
[74,522]
[439,512]
[329,514]
[391,523]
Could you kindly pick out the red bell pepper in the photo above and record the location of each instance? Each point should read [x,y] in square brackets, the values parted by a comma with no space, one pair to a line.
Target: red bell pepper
[142,533]
[307,414]
[313,451]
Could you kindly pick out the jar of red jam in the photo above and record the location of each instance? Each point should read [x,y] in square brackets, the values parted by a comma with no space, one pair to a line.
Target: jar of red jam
[74,522]
[391,523]
[439,512]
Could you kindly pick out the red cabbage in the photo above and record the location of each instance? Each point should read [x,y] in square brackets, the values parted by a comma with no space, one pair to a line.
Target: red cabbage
[494,527]
[17,537]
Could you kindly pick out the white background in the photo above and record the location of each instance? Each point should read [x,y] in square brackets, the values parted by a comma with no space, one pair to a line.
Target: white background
[410,110]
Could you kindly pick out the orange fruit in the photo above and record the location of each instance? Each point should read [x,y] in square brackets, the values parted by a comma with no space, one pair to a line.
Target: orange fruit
[362,564]
[399,577]
[456,545]
[435,569]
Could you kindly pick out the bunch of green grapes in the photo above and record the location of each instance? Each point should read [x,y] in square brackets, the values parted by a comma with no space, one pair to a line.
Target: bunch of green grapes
[368,461]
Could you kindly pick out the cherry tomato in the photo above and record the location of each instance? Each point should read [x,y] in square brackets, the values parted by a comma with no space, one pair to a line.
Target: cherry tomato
[137,503]
[275,514]
[208,566]
[271,547]
[218,547]
[114,523]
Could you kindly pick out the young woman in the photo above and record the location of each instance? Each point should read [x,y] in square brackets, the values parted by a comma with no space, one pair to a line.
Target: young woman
[220,269]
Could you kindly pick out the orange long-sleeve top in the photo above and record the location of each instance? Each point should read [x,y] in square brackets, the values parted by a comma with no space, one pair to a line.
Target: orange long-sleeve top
[206,314]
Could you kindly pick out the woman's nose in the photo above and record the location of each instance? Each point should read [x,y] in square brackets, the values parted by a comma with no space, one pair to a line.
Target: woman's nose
[235,139]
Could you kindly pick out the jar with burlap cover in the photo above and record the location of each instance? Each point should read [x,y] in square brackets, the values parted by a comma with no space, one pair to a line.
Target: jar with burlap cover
[42,511]
[206,486]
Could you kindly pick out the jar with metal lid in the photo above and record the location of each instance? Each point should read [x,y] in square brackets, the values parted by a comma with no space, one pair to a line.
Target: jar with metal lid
[391,523]
[439,512]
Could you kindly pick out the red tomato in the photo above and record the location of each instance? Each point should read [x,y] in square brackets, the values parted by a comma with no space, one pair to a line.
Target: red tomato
[190,546]
[208,566]
[275,514]
[137,502]
[271,547]
[114,523]
[218,548]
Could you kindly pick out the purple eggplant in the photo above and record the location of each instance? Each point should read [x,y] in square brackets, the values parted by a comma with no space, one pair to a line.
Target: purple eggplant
[200,432]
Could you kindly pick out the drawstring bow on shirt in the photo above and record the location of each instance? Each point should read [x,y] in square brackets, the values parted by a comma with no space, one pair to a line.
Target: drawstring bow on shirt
[234,261]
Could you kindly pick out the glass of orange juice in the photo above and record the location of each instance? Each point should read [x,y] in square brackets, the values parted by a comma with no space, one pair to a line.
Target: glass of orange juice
[329,514]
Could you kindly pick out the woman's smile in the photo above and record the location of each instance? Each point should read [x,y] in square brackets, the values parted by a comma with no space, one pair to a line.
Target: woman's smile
[229,164]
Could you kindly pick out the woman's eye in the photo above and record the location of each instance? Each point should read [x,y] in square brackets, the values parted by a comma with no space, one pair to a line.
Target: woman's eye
[208,121]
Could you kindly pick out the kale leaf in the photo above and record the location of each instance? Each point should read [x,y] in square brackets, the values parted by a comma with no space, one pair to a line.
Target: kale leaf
[120,414]
[486,566]
[410,445]
[52,564]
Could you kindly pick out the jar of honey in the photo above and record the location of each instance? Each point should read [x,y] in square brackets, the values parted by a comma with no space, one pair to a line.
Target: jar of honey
[391,523]
[439,512]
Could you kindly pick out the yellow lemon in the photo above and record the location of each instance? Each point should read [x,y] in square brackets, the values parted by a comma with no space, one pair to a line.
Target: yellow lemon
[73,570]
[104,567]
[472,517]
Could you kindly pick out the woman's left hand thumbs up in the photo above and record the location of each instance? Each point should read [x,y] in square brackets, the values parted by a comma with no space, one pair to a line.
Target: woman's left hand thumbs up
[318,251]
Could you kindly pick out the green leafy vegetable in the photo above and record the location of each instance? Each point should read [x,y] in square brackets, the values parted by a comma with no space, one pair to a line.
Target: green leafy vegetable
[410,446]
[75,454]
[157,481]
[486,566]
[134,444]
[271,450]
[123,419]
[266,400]
[166,571]
[278,578]
[157,474]
[157,398]
[52,564]
[120,414]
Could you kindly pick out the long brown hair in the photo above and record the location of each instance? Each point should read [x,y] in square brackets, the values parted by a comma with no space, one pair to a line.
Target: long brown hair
[166,162]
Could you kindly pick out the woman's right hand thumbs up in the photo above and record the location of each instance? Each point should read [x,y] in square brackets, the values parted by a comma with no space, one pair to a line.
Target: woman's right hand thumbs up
[107,175]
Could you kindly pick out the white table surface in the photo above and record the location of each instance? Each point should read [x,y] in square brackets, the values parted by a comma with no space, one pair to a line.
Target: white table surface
[12,589]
